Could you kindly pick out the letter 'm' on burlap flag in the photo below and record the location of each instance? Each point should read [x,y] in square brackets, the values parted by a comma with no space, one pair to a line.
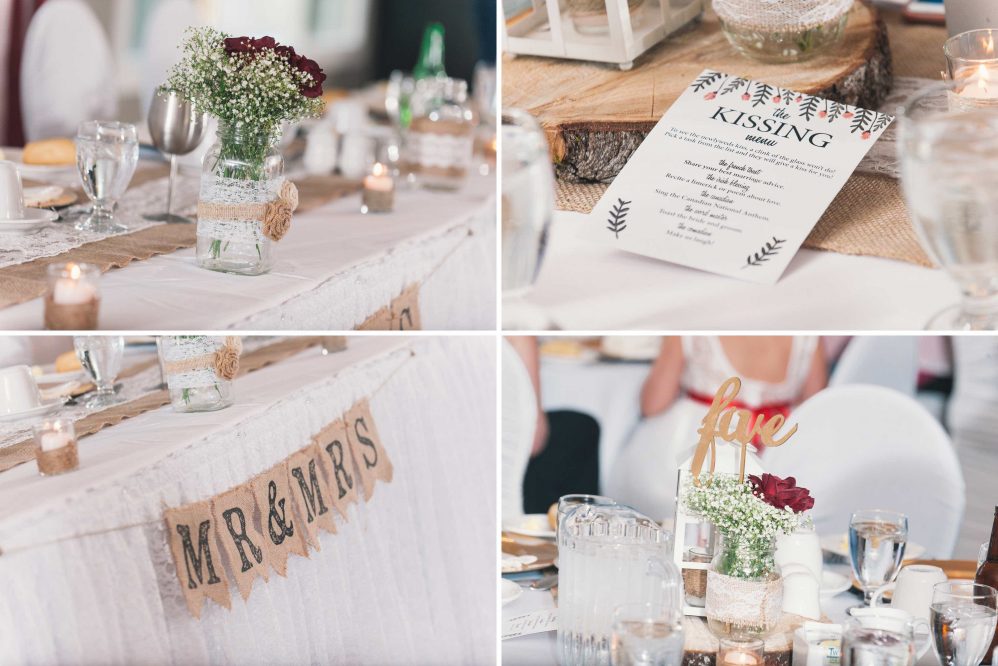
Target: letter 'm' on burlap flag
[405,310]
[338,465]
[312,493]
[282,534]
[243,544]
[368,451]
[192,533]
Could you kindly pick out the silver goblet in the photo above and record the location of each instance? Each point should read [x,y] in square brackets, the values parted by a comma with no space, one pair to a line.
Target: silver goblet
[176,128]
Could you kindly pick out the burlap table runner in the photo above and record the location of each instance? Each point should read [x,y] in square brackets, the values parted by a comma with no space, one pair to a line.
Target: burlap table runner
[24,451]
[868,217]
[27,281]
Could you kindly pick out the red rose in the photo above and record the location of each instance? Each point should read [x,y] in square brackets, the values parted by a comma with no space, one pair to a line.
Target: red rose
[238,45]
[311,68]
[781,493]
[262,43]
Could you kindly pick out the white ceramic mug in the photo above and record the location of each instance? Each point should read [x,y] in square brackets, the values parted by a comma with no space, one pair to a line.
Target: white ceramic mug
[801,591]
[912,589]
[896,621]
[18,390]
[11,194]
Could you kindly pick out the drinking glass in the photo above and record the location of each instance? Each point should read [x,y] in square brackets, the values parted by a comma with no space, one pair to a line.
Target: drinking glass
[177,128]
[970,53]
[876,547]
[106,156]
[397,97]
[876,646]
[962,617]
[646,635]
[101,356]
[948,152]
[568,502]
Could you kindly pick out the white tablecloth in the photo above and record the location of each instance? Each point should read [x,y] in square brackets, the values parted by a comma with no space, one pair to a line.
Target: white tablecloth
[584,286]
[335,268]
[403,582]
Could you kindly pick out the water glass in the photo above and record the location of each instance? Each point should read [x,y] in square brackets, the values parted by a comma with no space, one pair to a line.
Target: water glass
[948,152]
[101,357]
[877,540]
[646,635]
[876,646]
[106,156]
[962,618]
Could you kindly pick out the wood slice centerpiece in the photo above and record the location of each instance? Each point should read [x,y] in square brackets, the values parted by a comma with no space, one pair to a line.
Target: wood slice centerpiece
[595,115]
[700,646]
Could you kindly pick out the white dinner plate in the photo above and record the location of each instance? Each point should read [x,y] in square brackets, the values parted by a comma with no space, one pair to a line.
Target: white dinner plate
[60,377]
[532,524]
[510,591]
[41,410]
[833,584]
[839,544]
[34,219]
[40,172]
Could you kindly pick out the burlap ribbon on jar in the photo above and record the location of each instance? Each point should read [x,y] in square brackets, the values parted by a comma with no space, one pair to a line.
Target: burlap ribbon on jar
[275,215]
[742,602]
[224,361]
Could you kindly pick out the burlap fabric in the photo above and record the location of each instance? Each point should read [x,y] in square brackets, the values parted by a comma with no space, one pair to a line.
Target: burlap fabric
[868,217]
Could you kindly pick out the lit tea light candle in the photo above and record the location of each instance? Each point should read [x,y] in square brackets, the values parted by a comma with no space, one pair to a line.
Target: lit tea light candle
[740,652]
[50,441]
[738,658]
[73,298]
[971,60]
[379,191]
[56,451]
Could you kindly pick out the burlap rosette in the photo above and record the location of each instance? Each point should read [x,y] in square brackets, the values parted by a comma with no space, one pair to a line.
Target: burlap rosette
[274,216]
[224,361]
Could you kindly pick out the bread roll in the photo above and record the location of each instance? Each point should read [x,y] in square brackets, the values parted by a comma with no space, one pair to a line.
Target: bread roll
[67,362]
[50,152]
[553,516]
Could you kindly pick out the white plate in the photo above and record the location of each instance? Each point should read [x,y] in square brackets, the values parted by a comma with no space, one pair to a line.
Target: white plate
[33,220]
[42,410]
[532,524]
[833,584]
[36,171]
[510,591]
[61,377]
[839,544]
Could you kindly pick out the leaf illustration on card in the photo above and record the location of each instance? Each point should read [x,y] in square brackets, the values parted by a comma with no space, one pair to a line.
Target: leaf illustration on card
[763,91]
[618,216]
[809,106]
[734,85]
[705,80]
[835,110]
[882,121]
[860,120]
[770,249]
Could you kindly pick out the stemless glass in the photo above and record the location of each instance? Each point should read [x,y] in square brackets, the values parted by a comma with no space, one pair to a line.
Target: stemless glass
[646,635]
[101,356]
[106,156]
[948,152]
[877,645]
[877,540]
[962,617]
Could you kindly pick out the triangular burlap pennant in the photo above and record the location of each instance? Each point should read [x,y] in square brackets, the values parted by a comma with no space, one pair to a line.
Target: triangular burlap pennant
[405,310]
[242,542]
[367,448]
[338,465]
[192,535]
[312,493]
[277,517]
[379,321]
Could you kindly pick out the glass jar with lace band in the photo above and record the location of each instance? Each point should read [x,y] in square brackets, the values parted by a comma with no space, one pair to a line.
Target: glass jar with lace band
[199,370]
[782,30]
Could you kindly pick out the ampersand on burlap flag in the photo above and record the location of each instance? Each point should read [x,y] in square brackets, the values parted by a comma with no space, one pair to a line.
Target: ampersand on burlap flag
[368,452]
[312,494]
[242,542]
[338,465]
[282,534]
[192,533]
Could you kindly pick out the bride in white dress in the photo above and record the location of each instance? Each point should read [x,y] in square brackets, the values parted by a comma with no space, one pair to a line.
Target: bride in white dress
[777,373]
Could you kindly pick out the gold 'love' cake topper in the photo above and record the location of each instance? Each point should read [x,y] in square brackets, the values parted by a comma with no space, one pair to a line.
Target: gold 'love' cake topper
[717,423]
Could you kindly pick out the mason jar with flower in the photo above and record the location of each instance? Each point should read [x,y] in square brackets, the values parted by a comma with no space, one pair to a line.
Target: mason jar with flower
[744,589]
[199,370]
[252,86]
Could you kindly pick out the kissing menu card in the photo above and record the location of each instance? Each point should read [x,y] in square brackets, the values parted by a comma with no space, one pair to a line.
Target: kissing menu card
[734,176]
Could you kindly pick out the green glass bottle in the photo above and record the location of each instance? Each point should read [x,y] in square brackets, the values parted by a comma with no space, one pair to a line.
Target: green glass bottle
[431,53]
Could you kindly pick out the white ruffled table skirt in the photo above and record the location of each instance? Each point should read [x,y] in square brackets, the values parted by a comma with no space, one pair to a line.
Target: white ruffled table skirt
[334,269]
[407,580]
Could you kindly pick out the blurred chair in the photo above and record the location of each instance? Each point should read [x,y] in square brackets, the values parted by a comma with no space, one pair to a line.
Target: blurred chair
[519,419]
[870,447]
[164,31]
[890,361]
[67,72]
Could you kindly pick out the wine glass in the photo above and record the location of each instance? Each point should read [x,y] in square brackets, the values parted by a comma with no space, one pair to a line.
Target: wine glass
[176,128]
[877,540]
[646,635]
[948,153]
[962,616]
[527,209]
[106,156]
[101,356]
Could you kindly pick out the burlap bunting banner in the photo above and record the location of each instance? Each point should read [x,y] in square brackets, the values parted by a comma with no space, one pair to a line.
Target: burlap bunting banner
[256,526]
[402,314]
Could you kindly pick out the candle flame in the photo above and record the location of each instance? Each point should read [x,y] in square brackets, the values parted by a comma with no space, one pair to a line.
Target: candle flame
[74,271]
[379,169]
[990,46]
[982,78]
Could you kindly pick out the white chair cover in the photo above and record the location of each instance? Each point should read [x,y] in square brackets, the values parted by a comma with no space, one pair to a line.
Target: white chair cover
[67,73]
[890,361]
[164,31]
[519,419]
[869,447]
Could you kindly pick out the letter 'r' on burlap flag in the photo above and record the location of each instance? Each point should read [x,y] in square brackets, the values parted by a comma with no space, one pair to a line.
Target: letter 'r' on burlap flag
[242,542]
[192,533]
[338,465]
[367,449]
